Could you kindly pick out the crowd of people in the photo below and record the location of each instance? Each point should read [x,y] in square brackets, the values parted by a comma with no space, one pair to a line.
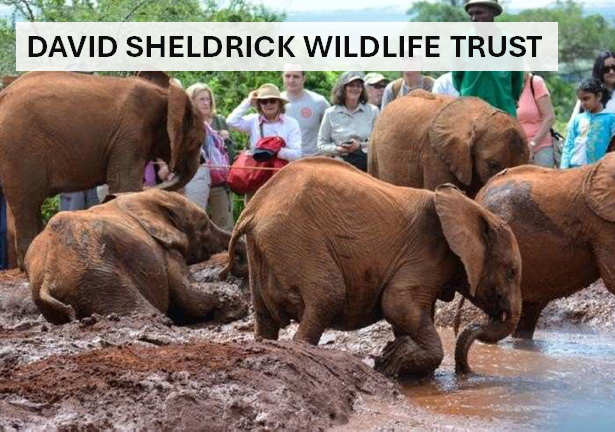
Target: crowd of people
[310,125]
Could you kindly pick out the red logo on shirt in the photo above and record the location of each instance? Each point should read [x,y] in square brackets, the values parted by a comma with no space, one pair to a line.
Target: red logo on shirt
[306,112]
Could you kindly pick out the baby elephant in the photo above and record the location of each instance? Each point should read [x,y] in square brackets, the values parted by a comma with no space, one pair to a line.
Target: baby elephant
[129,254]
[564,221]
[333,247]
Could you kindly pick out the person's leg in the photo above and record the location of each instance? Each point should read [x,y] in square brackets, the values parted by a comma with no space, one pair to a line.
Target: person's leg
[220,207]
[91,197]
[72,201]
[197,189]
[544,157]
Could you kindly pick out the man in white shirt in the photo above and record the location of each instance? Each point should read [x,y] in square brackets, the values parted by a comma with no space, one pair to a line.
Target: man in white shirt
[305,106]
[444,85]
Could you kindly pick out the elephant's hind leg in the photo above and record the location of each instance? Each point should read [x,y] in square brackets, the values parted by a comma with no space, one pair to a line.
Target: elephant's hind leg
[530,312]
[417,349]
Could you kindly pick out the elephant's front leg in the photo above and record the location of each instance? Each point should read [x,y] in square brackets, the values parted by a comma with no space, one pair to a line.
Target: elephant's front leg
[530,312]
[417,349]
[125,173]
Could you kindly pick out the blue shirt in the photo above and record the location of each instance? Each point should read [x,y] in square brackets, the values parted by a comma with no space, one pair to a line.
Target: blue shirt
[588,138]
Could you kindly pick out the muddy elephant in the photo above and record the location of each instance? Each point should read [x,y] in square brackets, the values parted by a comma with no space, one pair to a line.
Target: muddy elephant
[332,247]
[129,254]
[63,132]
[424,140]
[564,222]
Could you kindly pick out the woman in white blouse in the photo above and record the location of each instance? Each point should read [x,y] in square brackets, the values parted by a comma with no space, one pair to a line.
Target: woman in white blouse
[348,123]
[269,105]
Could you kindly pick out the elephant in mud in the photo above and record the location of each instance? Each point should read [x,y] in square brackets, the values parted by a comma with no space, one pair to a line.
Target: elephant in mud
[64,131]
[332,247]
[129,254]
[423,140]
[564,222]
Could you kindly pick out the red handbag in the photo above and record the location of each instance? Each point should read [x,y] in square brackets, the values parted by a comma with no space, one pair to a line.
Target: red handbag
[248,174]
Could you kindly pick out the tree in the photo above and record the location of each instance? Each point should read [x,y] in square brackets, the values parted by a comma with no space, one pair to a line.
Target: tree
[443,11]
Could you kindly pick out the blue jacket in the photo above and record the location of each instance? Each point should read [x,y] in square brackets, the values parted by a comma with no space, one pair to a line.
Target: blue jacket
[588,138]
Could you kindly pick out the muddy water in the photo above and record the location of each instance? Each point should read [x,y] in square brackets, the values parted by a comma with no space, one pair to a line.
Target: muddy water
[559,381]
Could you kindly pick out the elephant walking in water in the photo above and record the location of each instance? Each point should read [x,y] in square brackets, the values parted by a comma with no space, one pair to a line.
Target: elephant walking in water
[564,221]
[423,140]
[332,247]
[64,132]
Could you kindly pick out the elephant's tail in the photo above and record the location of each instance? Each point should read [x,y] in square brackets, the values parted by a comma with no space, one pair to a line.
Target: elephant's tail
[52,309]
[241,226]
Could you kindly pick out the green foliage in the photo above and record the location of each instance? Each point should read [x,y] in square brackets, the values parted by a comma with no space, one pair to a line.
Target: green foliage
[50,207]
[425,11]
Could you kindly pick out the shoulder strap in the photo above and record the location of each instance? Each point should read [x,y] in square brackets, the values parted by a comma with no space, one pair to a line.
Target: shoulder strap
[397,87]
[532,85]
[260,126]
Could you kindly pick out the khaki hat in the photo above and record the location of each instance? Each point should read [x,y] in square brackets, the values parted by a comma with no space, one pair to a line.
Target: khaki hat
[269,91]
[493,4]
[374,78]
[350,76]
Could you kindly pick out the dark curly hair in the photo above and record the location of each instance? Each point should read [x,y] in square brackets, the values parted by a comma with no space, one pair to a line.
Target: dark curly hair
[592,85]
[338,95]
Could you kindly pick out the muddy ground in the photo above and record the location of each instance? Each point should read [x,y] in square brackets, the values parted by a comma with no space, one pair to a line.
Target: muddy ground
[145,373]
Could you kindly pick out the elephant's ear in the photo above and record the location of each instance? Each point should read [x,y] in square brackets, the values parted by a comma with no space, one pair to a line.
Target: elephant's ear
[179,118]
[599,188]
[465,230]
[157,215]
[451,135]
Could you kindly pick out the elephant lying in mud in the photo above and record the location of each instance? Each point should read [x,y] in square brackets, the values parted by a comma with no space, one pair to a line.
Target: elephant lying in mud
[423,140]
[129,254]
[564,222]
[64,132]
[332,247]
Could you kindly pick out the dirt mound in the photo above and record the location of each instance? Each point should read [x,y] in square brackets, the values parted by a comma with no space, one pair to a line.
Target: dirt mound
[591,309]
[202,386]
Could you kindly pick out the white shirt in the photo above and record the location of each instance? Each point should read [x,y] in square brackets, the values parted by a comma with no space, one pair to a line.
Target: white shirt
[286,128]
[444,85]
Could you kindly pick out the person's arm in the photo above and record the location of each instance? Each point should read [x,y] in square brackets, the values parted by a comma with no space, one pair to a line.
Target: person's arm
[292,150]
[325,142]
[228,140]
[238,120]
[568,145]
[548,118]
[387,96]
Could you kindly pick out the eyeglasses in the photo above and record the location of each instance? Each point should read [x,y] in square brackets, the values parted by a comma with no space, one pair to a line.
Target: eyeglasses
[267,101]
[609,68]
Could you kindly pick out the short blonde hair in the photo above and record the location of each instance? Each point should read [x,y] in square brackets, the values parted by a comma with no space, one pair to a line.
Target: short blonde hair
[197,88]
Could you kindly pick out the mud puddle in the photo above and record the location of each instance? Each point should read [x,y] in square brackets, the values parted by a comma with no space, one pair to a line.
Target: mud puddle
[559,381]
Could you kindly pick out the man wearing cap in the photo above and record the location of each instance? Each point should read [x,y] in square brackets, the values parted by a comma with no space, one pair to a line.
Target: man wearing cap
[305,106]
[374,85]
[409,81]
[499,88]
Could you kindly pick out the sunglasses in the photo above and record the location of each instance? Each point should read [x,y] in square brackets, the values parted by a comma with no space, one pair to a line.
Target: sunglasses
[610,68]
[267,101]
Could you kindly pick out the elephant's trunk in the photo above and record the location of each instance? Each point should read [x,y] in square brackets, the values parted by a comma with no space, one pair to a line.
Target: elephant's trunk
[496,328]
[171,185]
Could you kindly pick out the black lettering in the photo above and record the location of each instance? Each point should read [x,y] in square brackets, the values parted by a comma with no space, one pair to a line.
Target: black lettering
[491,44]
[76,50]
[386,52]
[257,46]
[476,44]
[311,49]
[57,46]
[347,52]
[151,45]
[101,46]
[206,40]
[458,40]
[412,40]
[191,53]
[513,44]
[133,42]
[432,43]
[175,43]
[338,42]
[375,45]
[284,46]
[233,43]
[31,40]
[534,39]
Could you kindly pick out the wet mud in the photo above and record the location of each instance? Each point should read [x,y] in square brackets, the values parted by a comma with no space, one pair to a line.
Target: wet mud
[146,373]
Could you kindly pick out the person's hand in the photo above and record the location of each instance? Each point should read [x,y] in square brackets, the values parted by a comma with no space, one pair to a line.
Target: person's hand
[252,98]
[163,170]
[224,134]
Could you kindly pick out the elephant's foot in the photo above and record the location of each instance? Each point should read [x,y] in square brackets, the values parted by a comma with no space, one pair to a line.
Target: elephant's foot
[403,357]
[530,312]
[524,333]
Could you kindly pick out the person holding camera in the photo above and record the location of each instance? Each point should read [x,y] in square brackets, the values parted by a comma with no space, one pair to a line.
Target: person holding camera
[348,123]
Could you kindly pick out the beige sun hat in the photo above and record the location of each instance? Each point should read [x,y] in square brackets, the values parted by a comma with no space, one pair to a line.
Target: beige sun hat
[269,91]
[493,4]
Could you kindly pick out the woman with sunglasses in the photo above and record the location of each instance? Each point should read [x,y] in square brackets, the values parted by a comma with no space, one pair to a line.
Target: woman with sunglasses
[348,123]
[604,71]
[269,105]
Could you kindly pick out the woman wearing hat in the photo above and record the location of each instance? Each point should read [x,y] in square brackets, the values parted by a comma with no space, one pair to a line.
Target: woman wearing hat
[348,123]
